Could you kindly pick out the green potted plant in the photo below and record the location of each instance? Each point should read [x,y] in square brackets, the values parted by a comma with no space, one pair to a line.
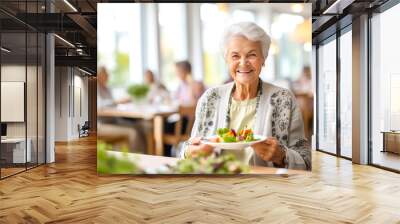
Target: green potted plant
[138,92]
[110,164]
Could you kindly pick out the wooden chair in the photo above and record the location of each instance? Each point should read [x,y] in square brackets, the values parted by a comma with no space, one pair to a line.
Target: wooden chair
[175,138]
[116,141]
[305,103]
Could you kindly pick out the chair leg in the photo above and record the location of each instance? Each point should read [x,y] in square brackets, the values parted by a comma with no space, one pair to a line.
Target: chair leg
[158,132]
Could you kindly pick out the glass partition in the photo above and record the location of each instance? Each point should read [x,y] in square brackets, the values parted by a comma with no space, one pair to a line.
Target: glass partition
[41,109]
[346,94]
[14,153]
[327,97]
[31,97]
[385,89]
[22,64]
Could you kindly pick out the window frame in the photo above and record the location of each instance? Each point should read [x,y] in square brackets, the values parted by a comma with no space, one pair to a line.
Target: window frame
[27,29]
[333,37]
[379,10]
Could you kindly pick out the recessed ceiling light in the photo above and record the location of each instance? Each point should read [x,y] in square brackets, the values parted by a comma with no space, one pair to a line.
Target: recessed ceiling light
[84,71]
[70,5]
[64,40]
[297,8]
[5,50]
[337,7]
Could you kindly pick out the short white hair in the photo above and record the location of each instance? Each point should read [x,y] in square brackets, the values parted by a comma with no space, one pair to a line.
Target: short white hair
[250,31]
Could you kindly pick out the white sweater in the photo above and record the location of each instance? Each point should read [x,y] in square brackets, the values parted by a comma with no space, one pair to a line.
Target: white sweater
[278,115]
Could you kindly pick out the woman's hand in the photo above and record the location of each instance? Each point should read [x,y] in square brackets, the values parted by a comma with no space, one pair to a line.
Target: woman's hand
[270,150]
[196,148]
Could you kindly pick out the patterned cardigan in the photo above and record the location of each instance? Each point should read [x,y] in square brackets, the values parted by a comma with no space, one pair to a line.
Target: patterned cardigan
[278,115]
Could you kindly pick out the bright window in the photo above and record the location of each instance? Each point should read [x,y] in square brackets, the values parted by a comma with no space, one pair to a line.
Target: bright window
[173,41]
[346,94]
[215,18]
[119,46]
[327,97]
[385,83]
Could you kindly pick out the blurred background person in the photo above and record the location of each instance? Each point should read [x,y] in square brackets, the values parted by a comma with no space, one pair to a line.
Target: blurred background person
[187,94]
[104,95]
[117,131]
[302,88]
[189,90]
[303,85]
[158,93]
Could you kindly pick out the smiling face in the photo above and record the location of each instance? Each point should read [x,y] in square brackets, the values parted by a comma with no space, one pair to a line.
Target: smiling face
[245,60]
[102,77]
[181,73]
[149,77]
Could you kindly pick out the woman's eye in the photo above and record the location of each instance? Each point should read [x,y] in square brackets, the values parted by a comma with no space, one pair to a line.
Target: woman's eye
[235,57]
[252,55]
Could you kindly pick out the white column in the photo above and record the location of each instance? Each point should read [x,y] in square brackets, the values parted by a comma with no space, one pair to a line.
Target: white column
[264,20]
[50,99]
[60,121]
[314,85]
[195,44]
[150,38]
[360,90]
[71,103]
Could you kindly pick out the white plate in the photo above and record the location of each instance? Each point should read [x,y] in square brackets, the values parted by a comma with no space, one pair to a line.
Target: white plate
[232,145]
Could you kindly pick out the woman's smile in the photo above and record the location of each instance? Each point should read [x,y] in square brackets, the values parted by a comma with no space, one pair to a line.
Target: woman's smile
[245,71]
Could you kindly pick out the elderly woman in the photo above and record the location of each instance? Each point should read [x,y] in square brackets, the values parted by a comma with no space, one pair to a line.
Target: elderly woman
[249,102]
[157,93]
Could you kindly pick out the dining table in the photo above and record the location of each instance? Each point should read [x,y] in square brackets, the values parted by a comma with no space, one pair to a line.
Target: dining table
[153,164]
[155,114]
[391,141]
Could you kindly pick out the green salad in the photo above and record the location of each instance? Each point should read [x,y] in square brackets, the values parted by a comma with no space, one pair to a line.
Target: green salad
[225,164]
[230,135]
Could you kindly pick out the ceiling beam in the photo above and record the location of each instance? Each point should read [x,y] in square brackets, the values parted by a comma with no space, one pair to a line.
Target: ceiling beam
[84,24]
[337,7]
[82,61]
[49,22]
[321,23]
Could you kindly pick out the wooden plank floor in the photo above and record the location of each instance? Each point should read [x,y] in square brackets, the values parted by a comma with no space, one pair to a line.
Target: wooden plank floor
[387,159]
[10,171]
[70,191]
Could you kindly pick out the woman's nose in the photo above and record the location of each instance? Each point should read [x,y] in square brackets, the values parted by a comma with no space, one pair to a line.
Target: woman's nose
[243,61]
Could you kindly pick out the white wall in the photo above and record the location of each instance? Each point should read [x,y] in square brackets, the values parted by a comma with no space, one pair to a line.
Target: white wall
[12,73]
[80,110]
[61,103]
[71,94]
[33,126]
